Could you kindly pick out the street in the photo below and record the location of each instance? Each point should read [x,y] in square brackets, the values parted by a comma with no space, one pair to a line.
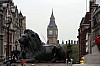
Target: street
[54,64]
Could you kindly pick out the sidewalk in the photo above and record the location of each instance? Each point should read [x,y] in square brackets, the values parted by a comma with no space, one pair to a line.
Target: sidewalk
[13,64]
[1,64]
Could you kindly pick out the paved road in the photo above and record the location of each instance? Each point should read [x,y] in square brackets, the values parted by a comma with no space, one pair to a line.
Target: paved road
[59,64]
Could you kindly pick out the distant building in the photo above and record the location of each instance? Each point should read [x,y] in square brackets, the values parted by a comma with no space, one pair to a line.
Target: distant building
[52,31]
[71,41]
[74,42]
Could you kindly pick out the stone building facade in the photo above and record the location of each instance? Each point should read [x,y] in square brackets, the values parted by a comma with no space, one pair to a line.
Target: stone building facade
[83,30]
[91,32]
[12,24]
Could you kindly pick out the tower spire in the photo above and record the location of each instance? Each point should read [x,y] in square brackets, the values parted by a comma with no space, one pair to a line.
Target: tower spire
[52,11]
[52,30]
[52,16]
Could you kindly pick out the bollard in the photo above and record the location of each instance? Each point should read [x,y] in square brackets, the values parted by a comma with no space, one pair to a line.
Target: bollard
[66,62]
[32,65]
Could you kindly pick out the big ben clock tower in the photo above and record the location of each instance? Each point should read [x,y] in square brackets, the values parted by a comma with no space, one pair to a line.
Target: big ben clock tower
[52,31]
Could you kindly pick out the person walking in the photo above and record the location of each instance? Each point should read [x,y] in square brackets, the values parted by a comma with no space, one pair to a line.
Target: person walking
[8,63]
[23,63]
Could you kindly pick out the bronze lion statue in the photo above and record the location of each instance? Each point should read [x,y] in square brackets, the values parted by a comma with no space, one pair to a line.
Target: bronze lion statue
[34,50]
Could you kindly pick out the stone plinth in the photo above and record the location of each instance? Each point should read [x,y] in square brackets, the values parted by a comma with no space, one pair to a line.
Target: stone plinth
[86,65]
[95,50]
[93,58]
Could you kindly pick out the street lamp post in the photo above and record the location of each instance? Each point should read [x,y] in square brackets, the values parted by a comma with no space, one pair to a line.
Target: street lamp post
[16,43]
[20,22]
[8,26]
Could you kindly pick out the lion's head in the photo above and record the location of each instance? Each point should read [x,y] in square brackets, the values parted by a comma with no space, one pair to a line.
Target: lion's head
[30,40]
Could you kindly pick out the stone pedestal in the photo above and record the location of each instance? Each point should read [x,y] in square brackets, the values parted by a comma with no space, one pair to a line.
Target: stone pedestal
[93,58]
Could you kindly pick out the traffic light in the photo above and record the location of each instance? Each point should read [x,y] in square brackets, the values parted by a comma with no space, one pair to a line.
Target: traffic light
[82,60]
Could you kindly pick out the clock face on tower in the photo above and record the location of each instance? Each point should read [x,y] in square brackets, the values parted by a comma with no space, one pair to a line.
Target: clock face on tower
[50,32]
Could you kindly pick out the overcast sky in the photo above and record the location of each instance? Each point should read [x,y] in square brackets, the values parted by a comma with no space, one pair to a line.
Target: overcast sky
[98,2]
[67,13]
